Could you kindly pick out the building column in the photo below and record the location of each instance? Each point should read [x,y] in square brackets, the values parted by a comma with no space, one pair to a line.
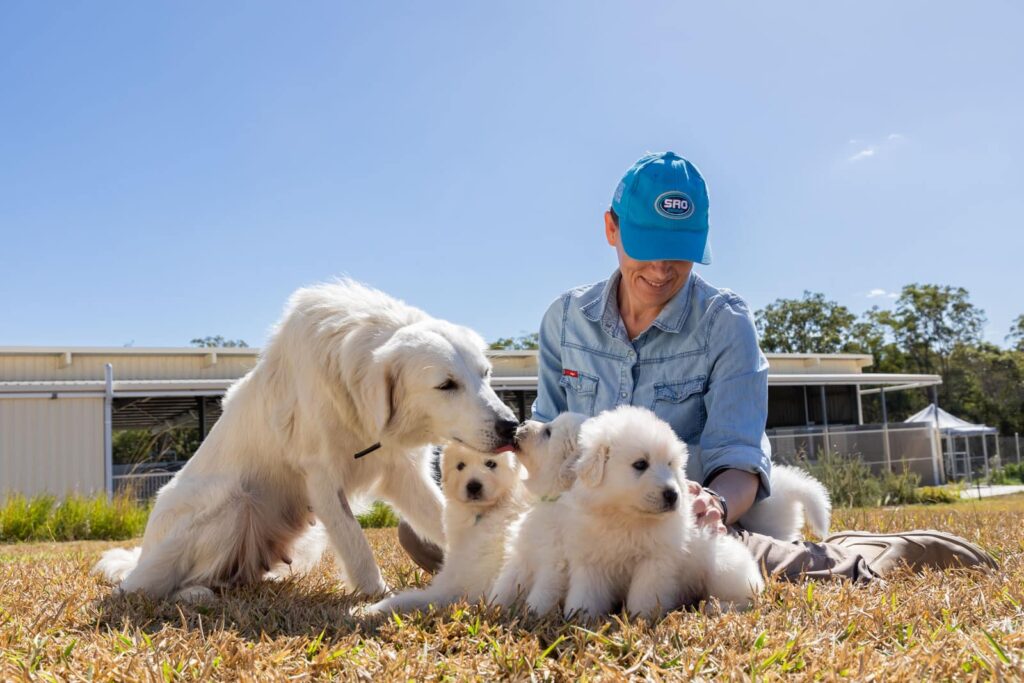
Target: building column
[108,428]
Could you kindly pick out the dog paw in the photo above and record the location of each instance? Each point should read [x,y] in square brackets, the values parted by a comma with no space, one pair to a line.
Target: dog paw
[194,595]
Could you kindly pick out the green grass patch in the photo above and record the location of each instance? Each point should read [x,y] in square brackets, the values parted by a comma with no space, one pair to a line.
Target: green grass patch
[75,518]
[380,516]
[78,518]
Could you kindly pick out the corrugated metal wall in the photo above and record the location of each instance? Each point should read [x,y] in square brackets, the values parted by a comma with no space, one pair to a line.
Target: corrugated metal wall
[51,445]
[126,367]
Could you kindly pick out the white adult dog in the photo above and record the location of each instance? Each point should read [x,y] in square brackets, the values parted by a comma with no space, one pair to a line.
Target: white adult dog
[536,566]
[630,532]
[484,496]
[347,368]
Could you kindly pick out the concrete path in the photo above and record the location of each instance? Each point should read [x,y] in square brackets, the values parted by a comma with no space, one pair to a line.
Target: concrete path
[985,491]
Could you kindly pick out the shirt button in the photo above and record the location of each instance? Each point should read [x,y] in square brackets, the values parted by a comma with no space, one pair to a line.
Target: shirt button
[622,395]
[631,355]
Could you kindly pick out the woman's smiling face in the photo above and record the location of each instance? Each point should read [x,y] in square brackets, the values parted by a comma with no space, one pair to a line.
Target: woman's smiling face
[651,284]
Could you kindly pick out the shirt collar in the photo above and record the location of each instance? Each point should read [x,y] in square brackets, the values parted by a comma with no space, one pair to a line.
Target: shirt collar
[605,308]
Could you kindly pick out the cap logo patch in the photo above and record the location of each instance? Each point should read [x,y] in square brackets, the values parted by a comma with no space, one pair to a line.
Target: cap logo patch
[674,205]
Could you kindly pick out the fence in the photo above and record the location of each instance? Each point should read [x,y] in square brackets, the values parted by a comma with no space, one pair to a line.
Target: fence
[1011,449]
[142,487]
[893,447]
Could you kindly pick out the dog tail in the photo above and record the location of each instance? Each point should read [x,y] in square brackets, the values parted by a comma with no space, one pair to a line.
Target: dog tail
[810,493]
[117,563]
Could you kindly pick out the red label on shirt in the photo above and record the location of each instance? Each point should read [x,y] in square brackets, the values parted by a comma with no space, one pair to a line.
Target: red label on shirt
[570,373]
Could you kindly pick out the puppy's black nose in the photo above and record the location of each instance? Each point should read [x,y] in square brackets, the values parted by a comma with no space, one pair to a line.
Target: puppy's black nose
[473,488]
[505,429]
[670,496]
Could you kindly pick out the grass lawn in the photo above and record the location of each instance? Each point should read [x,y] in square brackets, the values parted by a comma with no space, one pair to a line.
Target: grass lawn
[57,622]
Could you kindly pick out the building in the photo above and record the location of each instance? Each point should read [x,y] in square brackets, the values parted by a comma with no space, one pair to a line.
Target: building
[61,407]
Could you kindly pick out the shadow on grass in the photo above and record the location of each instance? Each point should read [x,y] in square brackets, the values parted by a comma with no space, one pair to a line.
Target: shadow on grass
[268,609]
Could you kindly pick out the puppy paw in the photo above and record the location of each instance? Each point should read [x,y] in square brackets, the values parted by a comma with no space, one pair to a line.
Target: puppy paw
[195,595]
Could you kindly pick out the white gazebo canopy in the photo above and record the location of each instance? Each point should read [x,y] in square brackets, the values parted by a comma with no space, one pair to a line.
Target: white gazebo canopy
[949,424]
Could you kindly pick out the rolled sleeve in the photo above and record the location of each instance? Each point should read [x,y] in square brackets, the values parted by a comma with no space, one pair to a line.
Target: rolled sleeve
[736,399]
[551,399]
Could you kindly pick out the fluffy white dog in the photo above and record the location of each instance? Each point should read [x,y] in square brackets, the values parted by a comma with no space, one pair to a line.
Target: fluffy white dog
[536,567]
[348,368]
[484,496]
[794,494]
[630,533]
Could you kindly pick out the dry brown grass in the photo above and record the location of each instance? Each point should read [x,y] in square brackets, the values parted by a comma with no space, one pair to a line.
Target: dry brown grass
[57,622]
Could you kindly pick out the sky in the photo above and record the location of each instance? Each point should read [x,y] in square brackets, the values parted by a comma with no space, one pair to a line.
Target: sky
[173,170]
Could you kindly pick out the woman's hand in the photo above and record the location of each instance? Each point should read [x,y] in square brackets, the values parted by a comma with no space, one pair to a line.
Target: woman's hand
[706,508]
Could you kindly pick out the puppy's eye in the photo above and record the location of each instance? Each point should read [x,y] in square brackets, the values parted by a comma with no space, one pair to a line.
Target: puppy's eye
[640,465]
[491,464]
[461,466]
[547,431]
[448,385]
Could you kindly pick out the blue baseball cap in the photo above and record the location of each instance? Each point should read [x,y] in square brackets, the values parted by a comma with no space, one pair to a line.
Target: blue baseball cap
[662,205]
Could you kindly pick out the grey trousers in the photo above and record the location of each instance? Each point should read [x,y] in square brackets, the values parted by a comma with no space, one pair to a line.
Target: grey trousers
[797,560]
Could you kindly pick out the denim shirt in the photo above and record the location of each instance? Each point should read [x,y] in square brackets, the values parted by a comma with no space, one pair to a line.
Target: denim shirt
[698,367]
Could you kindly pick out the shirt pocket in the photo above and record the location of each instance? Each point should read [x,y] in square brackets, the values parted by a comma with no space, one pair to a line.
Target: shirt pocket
[580,392]
[681,404]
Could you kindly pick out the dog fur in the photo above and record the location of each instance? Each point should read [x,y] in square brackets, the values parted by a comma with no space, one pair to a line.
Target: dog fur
[347,367]
[536,568]
[630,533]
[484,496]
[795,494]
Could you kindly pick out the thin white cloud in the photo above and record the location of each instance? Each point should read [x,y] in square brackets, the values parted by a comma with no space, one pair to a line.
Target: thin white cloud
[873,149]
[879,293]
[864,154]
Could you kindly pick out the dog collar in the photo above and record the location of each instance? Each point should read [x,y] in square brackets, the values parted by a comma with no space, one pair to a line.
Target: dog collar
[367,450]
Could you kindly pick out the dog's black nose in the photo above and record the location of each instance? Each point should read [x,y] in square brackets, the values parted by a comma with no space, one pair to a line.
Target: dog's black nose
[670,496]
[473,488]
[505,429]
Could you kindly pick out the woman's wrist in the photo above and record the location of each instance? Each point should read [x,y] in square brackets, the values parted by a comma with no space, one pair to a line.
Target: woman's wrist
[721,502]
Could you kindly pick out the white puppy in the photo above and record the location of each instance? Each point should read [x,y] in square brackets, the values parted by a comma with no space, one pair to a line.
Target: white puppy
[484,496]
[794,494]
[347,368]
[536,567]
[630,533]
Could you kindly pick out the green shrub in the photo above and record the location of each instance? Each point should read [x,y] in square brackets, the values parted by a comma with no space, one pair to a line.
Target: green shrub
[849,481]
[900,489]
[380,516]
[75,518]
[937,494]
[1008,474]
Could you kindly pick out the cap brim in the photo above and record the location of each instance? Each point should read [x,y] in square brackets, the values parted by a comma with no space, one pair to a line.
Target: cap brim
[664,245]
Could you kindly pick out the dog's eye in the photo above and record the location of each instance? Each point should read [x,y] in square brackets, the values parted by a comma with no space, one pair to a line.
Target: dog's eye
[448,385]
[461,466]
[491,464]
[547,431]
[640,465]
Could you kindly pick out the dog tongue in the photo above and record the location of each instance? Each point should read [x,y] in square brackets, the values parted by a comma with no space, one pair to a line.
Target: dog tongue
[502,449]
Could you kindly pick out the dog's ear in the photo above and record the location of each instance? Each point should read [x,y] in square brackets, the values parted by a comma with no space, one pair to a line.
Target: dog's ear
[378,393]
[567,472]
[590,466]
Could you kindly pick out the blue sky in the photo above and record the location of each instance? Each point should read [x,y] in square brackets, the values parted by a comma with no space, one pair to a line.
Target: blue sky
[175,170]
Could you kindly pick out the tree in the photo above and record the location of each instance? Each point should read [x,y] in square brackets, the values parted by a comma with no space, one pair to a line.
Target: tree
[811,324]
[219,342]
[987,385]
[1016,336]
[520,343]
[930,322]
